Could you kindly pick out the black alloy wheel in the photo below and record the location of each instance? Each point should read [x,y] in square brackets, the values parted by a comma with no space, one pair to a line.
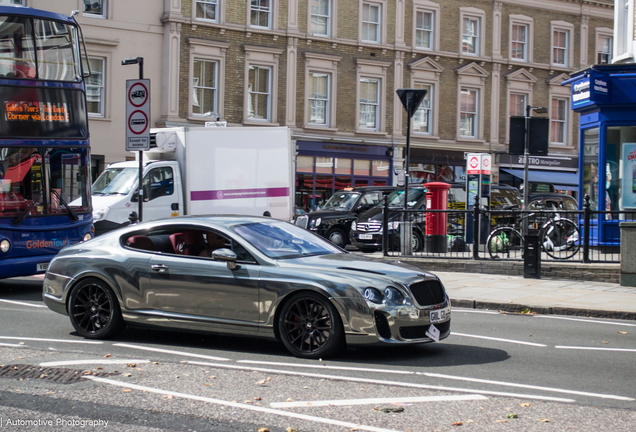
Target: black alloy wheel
[94,310]
[310,326]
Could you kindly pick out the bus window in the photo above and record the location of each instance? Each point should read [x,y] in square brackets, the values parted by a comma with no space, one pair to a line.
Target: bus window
[56,45]
[16,48]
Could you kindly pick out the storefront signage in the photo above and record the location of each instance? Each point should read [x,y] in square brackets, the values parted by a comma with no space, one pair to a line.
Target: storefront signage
[560,162]
[593,89]
[629,176]
[581,92]
[336,148]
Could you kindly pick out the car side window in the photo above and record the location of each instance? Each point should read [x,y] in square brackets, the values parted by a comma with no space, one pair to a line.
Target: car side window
[571,205]
[158,182]
[371,198]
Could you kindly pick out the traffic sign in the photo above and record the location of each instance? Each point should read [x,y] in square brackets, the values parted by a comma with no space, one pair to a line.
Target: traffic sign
[138,115]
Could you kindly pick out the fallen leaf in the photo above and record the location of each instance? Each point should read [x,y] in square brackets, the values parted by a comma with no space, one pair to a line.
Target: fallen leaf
[88,373]
[304,387]
[269,378]
[376,408]
[291,429]
[106,356]
[212,377]
[20,343]
[127,374]
[100,368]
[605,342]
[525,311]
[126,391]
[527,404]
[622,332]
[258,398]
[544,420]
[392,409]
[457,424]
[207,384]
[263,430]
[501,421]
[512,415]
[168,396]
[248,401]
[154,363]
[261,382]
[289,400]
[131,365]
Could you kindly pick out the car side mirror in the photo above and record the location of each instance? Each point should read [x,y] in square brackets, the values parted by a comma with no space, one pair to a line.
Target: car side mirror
[226,255]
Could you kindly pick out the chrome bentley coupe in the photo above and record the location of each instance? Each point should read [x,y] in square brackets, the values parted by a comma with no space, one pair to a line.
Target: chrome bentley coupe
[244,275]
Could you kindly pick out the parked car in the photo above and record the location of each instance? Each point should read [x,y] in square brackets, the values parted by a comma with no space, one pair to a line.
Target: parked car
[333,221]
[565,205]
[271,279]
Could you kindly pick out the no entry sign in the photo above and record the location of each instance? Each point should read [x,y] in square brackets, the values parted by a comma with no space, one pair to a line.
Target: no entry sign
[138,115]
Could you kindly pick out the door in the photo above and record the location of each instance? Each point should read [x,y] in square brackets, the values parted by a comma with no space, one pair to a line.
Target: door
[161,199]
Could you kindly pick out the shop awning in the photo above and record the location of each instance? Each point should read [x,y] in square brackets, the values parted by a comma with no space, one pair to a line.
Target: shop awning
[560,180]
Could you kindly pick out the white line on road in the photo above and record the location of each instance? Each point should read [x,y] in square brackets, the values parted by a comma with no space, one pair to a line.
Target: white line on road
[11,345]
[51,340]
[87,362]
[499,339]
[322,366]
[181,353]
[596,348]
[586,320]
[351,426]
[476,311]
[23,303]
[549,389]
[370,401]
[382,382]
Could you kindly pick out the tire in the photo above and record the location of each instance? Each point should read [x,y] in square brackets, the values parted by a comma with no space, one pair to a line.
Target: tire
[505,243]
[367,250]
[416,242]
[310,326]
[94,310]
[560,239]
[337,237]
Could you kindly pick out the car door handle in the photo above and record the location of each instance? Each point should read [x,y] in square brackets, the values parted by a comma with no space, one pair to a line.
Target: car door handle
[159,268]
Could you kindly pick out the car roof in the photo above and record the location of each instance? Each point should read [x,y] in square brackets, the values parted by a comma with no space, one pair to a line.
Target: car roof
[222,220]
[370,188]
[550,195]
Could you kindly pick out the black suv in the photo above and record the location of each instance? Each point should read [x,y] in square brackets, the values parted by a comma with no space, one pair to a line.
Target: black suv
[333,221]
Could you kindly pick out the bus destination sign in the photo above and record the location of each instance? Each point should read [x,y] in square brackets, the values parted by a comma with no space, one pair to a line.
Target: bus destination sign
[21,111]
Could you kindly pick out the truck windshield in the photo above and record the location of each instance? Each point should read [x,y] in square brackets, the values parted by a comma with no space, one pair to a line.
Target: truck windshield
[396,198]
[343,201]
[115,181]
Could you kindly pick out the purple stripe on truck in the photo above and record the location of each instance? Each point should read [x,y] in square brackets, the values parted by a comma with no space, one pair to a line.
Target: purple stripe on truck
[239,193]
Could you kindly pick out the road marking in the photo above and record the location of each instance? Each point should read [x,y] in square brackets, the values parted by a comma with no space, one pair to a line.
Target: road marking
[51,340]
[549,389]
[586,320]
[595,348]
[22,303]
[322,366]
[499,339]
[11,345]
[181,353]
[87,362]
[370,401]
[382,382]
[239,405]
[476,311]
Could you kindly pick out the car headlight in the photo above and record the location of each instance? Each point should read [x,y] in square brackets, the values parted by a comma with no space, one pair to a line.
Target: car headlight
[353,225]
[315,222]
[394,225]
[373,295]
[5,245]
[393,294]
[87,237]
[100,214]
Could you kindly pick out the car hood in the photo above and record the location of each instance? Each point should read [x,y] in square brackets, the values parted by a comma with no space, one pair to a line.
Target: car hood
[358,266]
[103,201]
[376,214]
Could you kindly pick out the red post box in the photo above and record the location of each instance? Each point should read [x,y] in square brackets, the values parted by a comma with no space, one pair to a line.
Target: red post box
[436,222]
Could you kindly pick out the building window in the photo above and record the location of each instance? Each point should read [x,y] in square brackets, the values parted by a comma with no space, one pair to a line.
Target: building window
[558,121]
[468,113]
[318,98]
[424,28]
[95,8]
[423,117]
[95,87]
[260,13]
[560,48]
[517,104]
[12,2]
[604,49]
[320,17]
[470,36]
[519,42]
[369,103]
[258,93]
[207,10]
[204,87]
[371,14]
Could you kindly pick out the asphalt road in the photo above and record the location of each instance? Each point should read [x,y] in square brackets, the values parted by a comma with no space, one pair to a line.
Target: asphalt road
[496,371]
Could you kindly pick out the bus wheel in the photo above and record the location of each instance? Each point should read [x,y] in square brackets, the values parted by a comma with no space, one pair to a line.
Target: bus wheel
[94,310]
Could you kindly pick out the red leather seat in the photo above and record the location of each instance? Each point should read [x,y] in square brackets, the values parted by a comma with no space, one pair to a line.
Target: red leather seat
[141,242]
[193,243]
[177,243]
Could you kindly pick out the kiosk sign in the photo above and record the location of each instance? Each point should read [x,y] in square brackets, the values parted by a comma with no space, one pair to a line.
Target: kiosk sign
[138,115]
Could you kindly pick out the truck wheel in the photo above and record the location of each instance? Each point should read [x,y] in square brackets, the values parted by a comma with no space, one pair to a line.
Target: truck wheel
[337,237]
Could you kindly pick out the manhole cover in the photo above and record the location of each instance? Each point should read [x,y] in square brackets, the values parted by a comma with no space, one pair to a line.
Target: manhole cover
[53,374]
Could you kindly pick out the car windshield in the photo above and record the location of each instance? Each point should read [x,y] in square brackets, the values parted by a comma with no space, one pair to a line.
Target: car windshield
[115,181]
[396,198]
[504,198]
[341,201]
[281,240]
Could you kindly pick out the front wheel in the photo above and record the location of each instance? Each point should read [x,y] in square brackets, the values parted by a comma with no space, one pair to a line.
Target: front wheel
[560,239]
[94,310]
[310,326]
[337,237]
[506,243]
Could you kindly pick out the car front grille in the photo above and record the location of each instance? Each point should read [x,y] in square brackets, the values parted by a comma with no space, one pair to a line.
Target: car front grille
[382,324]
[368,226]
[428,292]
[419,332]
[301,221]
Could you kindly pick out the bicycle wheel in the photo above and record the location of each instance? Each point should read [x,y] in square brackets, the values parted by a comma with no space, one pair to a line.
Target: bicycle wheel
[560,239]
[505,243]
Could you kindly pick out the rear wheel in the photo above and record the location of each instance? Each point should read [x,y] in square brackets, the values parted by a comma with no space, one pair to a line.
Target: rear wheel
[337,237]
[416,242]
[94,310]
[505,243]
[560,239]
[310,326]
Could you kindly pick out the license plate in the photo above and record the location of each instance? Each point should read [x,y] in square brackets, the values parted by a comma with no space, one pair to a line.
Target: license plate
[365,236]
[438,315]
[42,267]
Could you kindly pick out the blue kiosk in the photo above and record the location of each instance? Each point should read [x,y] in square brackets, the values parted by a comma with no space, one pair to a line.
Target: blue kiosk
[605,98]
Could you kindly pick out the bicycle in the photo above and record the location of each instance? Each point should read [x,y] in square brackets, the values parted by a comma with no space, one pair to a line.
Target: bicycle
[559,238]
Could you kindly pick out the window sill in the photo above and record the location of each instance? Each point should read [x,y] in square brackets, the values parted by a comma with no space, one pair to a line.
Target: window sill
[320,128]
[259,123]
[98,118]
[370,132]
[470,140]
[425,136]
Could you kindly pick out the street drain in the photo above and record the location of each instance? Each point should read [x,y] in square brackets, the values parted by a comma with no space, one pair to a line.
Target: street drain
[52,374]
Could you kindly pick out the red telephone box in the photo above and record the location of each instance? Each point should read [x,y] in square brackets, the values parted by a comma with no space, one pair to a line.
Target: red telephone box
[436,222]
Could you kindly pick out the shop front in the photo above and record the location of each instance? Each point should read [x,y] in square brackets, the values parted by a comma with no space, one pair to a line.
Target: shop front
[558,173]
[322,168]
[605,98]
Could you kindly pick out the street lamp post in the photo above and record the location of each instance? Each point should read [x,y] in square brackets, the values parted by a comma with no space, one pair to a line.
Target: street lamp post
[526,158]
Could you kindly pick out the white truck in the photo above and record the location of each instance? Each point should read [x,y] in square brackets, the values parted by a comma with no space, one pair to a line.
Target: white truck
[196,171]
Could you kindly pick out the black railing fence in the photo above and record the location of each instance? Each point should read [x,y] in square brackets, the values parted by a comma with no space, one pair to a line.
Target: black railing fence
[479,233]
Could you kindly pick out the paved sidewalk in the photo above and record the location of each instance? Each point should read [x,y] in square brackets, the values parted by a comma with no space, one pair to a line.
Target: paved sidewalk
[544,296]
